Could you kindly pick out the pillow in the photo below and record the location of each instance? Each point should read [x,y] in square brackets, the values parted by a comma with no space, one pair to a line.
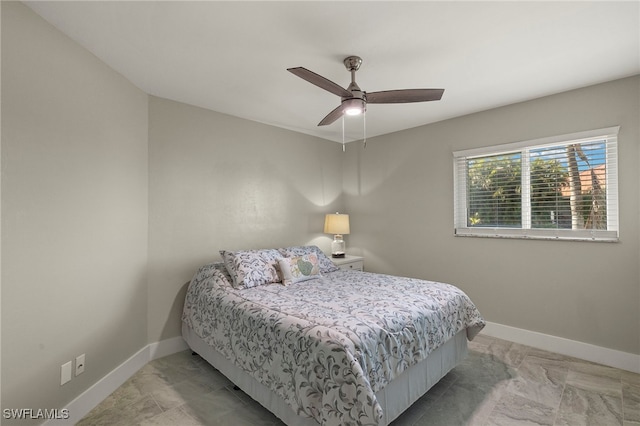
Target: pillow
[251,268]
[213,270]
[221,275]
[221,278]
[299,268]
[325,264]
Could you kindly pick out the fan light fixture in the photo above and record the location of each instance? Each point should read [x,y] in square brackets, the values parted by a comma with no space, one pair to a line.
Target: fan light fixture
[354,106]
[337,224]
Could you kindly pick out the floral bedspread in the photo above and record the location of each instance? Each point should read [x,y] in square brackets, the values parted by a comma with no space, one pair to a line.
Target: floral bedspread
[328,344]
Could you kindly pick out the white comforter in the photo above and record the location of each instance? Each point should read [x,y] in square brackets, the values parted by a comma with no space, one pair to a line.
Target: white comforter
[327,345]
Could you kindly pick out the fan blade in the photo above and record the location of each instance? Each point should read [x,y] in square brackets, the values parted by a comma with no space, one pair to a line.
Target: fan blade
[320,81]
[404,96]
[333,115]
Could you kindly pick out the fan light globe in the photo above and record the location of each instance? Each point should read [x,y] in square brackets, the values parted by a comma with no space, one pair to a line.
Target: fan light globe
[354,106]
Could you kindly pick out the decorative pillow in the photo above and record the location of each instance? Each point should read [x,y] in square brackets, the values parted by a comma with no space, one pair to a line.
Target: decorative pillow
[325,264]
[251,268]
[299,268]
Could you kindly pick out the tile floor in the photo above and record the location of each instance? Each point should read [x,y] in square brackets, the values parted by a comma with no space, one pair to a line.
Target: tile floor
[499,383]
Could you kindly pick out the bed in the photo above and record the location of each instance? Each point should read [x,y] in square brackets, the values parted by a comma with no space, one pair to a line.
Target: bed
[318,345]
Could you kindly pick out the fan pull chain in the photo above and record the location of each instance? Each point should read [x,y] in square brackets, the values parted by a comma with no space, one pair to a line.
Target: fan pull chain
[343,148]
[364,127]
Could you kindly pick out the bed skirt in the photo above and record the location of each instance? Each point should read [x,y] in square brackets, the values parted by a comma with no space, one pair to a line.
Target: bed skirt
[395,398]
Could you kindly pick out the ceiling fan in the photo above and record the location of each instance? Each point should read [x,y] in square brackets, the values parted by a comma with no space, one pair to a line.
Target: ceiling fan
[355,100]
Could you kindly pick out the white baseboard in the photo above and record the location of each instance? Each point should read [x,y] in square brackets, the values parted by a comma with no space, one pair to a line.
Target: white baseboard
[167,347]
[89,399]
[612,358]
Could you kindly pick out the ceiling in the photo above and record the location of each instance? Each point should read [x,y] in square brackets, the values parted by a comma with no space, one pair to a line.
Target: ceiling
[232,57]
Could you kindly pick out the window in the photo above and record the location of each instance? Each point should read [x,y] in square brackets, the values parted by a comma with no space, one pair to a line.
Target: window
[563,187]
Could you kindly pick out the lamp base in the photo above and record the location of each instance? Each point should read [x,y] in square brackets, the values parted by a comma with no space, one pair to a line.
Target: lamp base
[337,246]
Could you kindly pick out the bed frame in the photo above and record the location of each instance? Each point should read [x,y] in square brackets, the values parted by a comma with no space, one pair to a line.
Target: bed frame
[395,398]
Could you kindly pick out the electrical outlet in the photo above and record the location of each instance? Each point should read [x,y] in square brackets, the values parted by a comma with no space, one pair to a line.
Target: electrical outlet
[65,373]
[79,364]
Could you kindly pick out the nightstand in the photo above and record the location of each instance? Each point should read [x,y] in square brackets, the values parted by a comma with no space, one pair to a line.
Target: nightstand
[349,263]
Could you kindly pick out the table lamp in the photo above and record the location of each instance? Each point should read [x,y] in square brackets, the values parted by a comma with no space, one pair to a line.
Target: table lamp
[338,225]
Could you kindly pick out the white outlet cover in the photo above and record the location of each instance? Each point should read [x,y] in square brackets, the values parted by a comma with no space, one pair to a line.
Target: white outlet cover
[65,373]
[79,364]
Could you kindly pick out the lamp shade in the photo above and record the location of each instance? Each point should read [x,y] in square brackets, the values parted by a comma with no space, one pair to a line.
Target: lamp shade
[336,224]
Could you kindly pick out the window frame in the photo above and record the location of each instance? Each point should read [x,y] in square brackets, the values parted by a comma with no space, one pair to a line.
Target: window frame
[525,231]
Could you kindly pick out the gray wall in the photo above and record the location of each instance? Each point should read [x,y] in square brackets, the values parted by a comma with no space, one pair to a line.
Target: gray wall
[399,193]
[111,199]
[74,213]
[219,182]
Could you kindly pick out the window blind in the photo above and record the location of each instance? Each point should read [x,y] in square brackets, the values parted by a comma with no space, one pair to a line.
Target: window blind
[563,187]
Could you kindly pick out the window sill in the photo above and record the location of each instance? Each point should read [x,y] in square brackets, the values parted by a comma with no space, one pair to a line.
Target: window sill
[539,234]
